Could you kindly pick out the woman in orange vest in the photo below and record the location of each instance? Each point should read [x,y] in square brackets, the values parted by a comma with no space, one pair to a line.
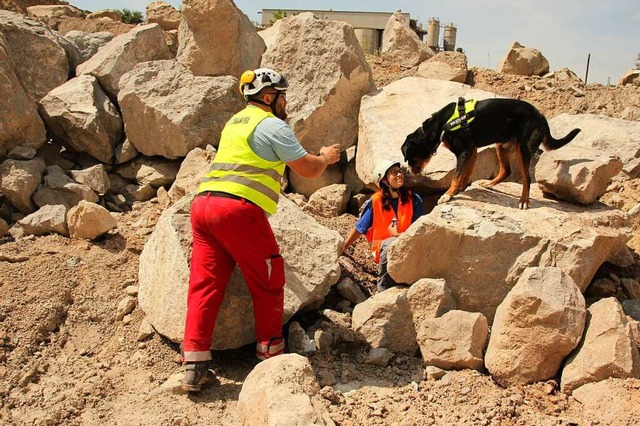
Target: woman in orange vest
[386,215]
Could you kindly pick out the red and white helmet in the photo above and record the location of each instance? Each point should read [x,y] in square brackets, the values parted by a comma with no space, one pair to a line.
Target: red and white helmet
[252,81]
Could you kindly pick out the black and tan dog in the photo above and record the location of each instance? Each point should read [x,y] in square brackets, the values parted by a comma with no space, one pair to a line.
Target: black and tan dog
[516,127]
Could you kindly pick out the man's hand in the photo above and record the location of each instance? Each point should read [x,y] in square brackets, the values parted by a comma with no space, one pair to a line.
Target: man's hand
[332,153]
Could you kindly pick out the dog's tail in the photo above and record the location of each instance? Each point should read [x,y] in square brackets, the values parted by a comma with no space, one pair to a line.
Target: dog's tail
[550,143]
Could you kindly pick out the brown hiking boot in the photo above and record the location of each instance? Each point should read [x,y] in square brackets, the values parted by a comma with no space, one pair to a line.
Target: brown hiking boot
[197,374]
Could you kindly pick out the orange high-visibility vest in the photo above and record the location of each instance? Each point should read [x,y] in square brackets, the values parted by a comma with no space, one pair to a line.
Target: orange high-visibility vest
[382,219]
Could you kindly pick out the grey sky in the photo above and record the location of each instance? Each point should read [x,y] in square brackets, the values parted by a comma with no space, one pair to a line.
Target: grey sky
[564,31]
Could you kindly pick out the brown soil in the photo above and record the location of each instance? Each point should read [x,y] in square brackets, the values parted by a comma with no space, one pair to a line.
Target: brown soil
[65,359]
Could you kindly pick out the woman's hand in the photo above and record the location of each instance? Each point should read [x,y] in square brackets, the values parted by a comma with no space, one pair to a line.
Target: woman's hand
[393,228]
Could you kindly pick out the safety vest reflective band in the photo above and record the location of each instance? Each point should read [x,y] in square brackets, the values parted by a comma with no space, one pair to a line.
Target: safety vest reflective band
[237,170]
[382,219]
[462,116]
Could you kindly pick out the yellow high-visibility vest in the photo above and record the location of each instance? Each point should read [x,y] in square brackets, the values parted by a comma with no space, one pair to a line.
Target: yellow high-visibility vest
[237,170]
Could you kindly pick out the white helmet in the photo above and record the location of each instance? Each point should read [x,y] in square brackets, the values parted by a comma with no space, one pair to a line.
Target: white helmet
[252,81]
[381,169]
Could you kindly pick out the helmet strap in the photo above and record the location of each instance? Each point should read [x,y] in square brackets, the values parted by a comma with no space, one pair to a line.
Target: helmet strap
[272,105]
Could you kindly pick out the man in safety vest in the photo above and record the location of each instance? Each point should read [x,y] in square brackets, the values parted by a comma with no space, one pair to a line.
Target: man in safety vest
[229,220]
[386,215]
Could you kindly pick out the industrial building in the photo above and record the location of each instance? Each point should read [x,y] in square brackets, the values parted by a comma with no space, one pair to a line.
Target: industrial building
[369,26]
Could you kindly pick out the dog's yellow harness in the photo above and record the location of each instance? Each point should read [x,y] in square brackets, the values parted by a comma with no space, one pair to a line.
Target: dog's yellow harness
[462,116]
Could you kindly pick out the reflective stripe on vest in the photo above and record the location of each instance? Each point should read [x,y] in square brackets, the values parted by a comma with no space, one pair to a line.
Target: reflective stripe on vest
[382,219]
[237,170]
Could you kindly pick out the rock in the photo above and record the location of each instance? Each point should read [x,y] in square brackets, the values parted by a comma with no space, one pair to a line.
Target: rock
[150,171]
[630,77]
[58,188]
[614,137]
[88,43]
[434,373]
[522,60]
[631,307]
[307,187]
[298,341]
[79,114]
[632,287]
[351,291]
[429,299]
[401,44]
[379,357]
[211,35]
[576,239]
[121,54]
[39,61]
[112,14]
[94,177]
[163,14]
[382,321]
[146,330]
[536,326]
[19,180]
[22,153]
[4,228]
[323,58]
[46,220]
[125,152]
[330,201]
[167,111]
[54,11]
[192,169]
[456,340]
[607,349]
[88,221]
[125,306]
[323,339]
[22,126]
[450,66]
[282,391]
[575,174]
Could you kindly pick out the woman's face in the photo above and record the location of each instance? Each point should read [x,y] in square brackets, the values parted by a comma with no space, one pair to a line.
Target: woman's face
[395,177]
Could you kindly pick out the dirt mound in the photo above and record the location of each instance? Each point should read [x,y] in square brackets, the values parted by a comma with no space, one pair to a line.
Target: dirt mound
[65,359]
[551,95]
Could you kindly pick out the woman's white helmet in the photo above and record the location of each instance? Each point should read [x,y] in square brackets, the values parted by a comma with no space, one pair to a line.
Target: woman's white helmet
[380,171]
[253,81]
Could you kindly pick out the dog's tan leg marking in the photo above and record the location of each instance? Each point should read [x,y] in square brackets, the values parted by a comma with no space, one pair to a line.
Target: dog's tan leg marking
[464,161]
[524,173]
[472,164]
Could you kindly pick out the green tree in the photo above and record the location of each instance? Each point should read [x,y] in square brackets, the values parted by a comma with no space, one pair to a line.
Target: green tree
[638,62]
[278,14]
[131,16]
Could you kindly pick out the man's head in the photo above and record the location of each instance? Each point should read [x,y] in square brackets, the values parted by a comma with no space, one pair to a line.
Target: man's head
[266,87]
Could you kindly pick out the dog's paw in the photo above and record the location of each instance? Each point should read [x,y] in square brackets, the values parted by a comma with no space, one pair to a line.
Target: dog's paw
[483,183]
[444,199]
[523,205]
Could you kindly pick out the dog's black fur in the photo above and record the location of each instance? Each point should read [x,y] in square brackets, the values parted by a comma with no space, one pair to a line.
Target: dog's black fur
[515,126]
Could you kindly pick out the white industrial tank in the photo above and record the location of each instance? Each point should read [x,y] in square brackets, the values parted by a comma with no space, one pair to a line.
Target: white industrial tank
[433,33]
[449,40]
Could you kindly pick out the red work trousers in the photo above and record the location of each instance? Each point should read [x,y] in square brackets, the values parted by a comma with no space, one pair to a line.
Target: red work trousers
[227,232]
